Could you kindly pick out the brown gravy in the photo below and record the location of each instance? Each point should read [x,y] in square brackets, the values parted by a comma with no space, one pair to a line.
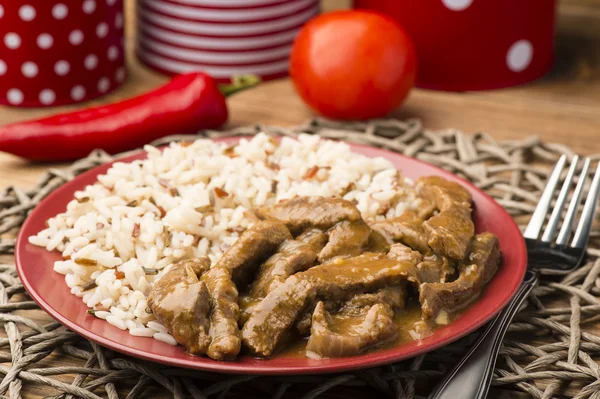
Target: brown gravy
[404,319]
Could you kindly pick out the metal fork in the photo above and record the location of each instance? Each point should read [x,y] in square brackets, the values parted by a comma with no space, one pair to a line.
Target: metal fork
[472,377]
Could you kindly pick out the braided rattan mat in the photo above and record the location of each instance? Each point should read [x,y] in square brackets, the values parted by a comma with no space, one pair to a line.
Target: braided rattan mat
[552,345]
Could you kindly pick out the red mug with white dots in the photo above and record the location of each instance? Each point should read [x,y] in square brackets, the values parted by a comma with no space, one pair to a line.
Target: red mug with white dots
[475,44]
[55,52]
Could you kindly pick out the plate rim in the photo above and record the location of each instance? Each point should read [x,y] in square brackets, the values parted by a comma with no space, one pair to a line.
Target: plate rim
[373,359]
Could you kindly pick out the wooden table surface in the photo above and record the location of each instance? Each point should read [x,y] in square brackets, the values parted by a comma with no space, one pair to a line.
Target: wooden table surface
[564,106]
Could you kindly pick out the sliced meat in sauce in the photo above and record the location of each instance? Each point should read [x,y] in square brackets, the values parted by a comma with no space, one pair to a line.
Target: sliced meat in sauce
[425,208]
[316,238]
[450,231]
[346,239]
[332,281]
[394,297]
[407,228]
[436,269]
[224,332]
[377,243]
[444,194]
[405,253]
[300,213]
[273,316]
[254,246]
[181,302]
[293,256]
[439,299]
[431,268]
[346,335]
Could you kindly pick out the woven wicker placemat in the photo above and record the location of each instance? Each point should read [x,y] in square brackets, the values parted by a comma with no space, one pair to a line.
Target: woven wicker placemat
[553,344]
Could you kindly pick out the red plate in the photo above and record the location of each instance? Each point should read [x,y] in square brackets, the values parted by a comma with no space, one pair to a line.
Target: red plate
[49,290]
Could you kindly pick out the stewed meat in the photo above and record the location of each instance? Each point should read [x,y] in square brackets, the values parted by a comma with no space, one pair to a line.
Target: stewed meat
[430,268]
[407,228]
[439,299]
[357,305]
[301,213]
[181,302]
[345,239]
[444,194]
[425,208]
[377,243]
[436,269]
[332,281]
[450,231]
[292,256]
[393,296]
[224,332]
[346,335]
[316,238]
[402,252]
[253,247]
[340,281]
[274,315]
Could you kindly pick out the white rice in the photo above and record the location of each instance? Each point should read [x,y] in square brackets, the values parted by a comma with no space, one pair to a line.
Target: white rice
[195,200]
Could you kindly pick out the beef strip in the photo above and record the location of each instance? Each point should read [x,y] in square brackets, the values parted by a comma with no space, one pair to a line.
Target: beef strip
[394,297]
[436,269]
[181,302]
[253,247]
[292,256]
[301,213]
[406,228]
[273,316]
[431,268]
[226,341]
[346,335]
[316,238]
[402,252]
[439,299]
[450,231]
[377,243]
[332,281]
[443,193]
[345,239]
[425,208]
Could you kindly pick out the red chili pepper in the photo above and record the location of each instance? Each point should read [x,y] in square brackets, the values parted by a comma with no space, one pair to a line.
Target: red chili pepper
[187,104]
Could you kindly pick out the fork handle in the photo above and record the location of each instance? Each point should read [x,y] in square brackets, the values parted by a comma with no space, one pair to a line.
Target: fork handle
[472,376]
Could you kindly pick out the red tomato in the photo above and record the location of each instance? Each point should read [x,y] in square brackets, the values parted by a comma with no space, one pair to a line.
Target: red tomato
[353,64]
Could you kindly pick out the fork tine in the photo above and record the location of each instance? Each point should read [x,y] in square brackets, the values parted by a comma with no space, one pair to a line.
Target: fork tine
[550,231]
[569,221]
[587,215]
[539,215]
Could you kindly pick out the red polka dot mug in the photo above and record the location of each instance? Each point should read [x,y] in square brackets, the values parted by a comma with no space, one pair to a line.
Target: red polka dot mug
[55,52]
[475,44]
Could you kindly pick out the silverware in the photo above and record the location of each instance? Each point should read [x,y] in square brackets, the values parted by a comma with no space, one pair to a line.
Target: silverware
[472,377]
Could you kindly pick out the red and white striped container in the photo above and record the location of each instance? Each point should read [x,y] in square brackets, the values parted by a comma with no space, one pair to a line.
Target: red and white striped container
[475,44]
[55,52]
[223,38]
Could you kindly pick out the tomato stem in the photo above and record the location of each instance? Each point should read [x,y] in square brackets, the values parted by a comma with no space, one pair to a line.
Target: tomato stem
[239,83]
